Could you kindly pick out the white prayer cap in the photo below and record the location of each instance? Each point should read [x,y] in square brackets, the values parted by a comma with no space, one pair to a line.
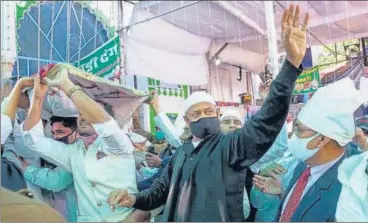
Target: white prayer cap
[198,97]
[330,110]
[231,113]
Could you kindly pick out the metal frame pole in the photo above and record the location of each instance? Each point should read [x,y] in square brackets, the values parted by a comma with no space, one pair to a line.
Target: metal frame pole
[272,37]
[8,44]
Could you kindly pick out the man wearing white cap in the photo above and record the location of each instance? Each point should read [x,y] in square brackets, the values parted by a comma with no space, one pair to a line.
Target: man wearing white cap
[204,181]
[324,126]
[100,159]
[230,120]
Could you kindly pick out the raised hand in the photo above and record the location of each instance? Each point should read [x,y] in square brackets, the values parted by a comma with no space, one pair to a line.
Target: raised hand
[154,102]
[40,88]
[120,197]
[294,37]
[268,185]
[25,82]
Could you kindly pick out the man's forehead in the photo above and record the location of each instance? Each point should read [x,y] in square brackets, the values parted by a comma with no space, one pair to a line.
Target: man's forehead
[59,126]
[201,106]
[233,118]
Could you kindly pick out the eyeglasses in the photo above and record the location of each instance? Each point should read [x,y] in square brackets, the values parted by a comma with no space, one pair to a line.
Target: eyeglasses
[299,131]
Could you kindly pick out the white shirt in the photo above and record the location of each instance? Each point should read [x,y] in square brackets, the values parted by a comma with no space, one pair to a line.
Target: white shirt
[316,173]
[6,128]
[94,178]
[195,144]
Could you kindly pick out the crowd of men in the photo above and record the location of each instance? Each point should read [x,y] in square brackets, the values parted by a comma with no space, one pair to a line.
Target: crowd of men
[219,168]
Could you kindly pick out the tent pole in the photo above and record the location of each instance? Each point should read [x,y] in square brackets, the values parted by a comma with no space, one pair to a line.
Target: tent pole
[8,45]
[218,52]
[272,37]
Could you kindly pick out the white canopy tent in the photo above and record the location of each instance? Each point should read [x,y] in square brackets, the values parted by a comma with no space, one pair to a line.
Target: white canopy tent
[180,47]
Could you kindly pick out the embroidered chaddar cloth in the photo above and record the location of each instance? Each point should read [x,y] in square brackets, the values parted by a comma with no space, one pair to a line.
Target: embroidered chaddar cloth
[124,100]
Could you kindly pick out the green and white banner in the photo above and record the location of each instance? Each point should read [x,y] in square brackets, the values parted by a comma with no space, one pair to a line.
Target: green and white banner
[309,81]
[103,61]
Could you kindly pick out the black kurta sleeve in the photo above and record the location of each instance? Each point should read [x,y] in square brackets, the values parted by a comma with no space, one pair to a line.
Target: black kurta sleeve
[248,144]
[157,194]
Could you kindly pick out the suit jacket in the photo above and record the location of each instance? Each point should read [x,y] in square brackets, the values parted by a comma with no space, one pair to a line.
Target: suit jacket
[319,203]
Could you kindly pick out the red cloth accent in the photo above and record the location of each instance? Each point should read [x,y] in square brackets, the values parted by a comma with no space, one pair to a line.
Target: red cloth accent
[295,197]
[44,70]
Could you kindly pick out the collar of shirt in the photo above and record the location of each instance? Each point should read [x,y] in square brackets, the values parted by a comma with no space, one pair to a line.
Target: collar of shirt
[318,171]
[195,144]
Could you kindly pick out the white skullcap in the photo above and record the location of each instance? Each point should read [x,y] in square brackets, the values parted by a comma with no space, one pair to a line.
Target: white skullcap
[231,113]
[198,97]
[330,110]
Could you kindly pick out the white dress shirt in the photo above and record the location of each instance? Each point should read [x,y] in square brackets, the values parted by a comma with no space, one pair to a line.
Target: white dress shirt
[94,178]
[316,173]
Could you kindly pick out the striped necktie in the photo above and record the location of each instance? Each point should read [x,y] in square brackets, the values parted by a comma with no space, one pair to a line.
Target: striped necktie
[295,197]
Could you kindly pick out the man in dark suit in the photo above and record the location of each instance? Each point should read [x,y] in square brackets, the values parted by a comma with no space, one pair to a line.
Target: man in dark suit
[321,131]
[204,181]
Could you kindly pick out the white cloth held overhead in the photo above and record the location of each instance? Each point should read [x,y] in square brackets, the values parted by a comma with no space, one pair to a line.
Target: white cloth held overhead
[231,113]
[198,97]
[330,110]
[353,201]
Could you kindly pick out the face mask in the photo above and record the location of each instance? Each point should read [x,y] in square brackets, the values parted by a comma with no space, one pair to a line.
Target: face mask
[160,136]
[298,147]
[205,127]
[64,139]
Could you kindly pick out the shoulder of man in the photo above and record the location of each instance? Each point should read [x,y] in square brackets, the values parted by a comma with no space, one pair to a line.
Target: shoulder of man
[18,208]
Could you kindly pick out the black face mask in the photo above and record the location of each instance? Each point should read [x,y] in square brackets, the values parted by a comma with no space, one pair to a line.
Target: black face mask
[64,139]
[205,127]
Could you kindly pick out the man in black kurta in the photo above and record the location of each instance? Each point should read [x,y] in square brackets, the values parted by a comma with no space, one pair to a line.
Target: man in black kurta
[205,182]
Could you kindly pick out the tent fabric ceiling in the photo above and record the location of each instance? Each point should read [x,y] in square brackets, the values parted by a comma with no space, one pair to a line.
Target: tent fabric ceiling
[331,21]
[242,24]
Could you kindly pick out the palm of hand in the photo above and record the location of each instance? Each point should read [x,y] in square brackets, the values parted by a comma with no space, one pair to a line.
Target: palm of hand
[294,37]
[296,43]
[272,186]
